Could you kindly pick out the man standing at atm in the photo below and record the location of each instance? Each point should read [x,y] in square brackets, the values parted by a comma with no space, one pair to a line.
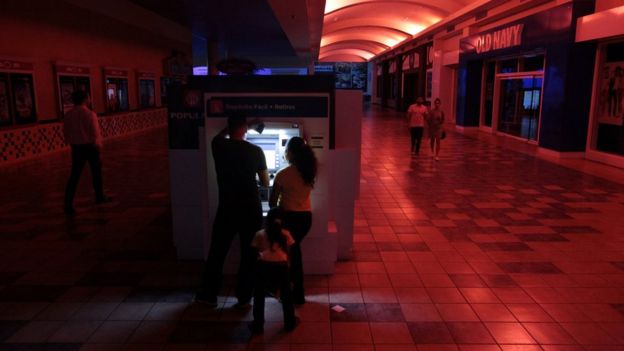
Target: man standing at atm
[237,162]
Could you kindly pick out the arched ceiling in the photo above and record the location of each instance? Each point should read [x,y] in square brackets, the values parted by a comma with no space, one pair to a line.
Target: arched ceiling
[358,30]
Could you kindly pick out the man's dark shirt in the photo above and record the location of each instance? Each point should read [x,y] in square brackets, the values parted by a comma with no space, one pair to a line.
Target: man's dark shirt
[237,162]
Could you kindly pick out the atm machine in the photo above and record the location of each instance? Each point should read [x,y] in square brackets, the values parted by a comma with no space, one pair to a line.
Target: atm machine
[306,106]
[273,141]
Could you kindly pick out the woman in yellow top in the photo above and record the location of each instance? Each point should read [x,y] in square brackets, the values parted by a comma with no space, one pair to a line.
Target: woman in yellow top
[291,191]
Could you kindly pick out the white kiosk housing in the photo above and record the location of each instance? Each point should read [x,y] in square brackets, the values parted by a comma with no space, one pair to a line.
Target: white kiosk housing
[288,105]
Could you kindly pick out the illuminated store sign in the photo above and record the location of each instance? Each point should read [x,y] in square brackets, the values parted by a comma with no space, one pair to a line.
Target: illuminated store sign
[533,32]
[500,39]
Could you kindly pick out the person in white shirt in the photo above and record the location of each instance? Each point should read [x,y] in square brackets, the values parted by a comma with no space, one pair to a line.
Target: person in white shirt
[416,116]
[82,132]
[273,244]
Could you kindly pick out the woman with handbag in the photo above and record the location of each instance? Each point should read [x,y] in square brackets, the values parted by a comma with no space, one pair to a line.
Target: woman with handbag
[435,124]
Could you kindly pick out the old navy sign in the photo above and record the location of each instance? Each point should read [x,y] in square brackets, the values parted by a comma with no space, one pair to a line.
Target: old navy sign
[500,39]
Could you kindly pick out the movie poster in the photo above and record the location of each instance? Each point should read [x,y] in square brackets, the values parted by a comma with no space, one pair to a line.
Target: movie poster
[147,92]
[611,95]
[5,100]
[66,87]
[84,84]
[23,98]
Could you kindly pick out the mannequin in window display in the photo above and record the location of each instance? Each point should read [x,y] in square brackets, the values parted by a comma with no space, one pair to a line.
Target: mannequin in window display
[615,89]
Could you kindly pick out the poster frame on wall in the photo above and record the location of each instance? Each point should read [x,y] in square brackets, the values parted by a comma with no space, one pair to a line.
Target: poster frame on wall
[113,73]
[23,98]
[6,116]
[22,104]
[69,74]
[610,104]
[146,76]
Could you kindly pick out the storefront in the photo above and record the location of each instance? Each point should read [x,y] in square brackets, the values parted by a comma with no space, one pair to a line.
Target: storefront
[404,76]
[416,68]
[527,79]
[605,140]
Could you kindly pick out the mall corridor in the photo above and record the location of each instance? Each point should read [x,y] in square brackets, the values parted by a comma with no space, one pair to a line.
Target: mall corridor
[486,249]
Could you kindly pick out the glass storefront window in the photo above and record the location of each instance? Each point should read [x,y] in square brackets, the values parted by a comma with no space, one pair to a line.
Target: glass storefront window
[393,86]
[490,75]
[608,131]
[508,66]
[533,63]
[520,106]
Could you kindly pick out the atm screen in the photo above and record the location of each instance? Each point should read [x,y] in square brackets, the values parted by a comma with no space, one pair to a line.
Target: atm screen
[269,147]
[270,158]
[273,142]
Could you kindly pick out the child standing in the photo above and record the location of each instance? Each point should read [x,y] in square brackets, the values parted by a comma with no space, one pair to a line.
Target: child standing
[272,268]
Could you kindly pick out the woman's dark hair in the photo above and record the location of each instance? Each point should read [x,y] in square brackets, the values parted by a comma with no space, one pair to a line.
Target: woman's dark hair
[273,228]
[302,156]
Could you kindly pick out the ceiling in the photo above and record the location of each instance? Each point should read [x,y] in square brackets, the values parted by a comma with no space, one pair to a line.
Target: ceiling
[271,33]
[295,33]
[358,30]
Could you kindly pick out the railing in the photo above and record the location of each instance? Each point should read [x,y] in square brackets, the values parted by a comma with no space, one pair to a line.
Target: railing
[29,142]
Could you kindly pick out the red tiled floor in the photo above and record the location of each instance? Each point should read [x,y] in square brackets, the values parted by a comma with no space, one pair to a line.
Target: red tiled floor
[457,312]
[487,249]
[351,333]
[493,312]
[526,312]
[509,333]
[548,333]
[390,333]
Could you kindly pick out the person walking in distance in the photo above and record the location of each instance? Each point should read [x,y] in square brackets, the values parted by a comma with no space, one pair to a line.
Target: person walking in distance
[416,115]
[272,244]
[435,126]
[81,131]
[237,162]
[291,191]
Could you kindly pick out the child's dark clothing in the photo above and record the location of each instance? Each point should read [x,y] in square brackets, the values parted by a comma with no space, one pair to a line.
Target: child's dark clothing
[272,270]
[276,274]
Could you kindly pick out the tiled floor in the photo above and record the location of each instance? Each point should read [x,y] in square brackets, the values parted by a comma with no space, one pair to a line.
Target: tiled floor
[487,249]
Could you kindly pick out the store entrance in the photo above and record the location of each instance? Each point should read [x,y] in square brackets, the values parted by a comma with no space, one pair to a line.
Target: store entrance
[519,106]
[410,83]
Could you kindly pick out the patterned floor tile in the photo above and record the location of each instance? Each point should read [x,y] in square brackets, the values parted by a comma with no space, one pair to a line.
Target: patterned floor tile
[486,249]
[530,267]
